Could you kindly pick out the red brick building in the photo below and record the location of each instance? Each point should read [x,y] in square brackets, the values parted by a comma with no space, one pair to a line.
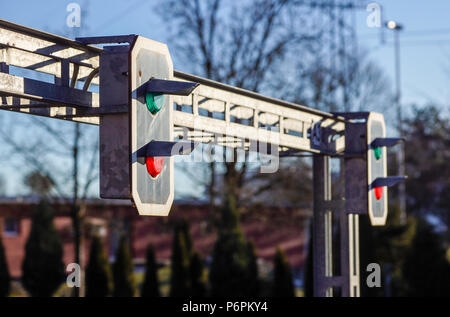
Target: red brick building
[267,227]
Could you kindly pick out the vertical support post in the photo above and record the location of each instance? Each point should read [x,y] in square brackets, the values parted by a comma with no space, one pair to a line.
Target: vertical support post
[63,80]
[354,273]
[65,73]
[346,247]
[322,228]
[226,112]
[355,203]
[4,68]
[401,148]
[195,104]
[114,129]
[355,168]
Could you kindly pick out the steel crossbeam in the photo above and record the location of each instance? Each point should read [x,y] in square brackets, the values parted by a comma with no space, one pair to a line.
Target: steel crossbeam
[48,75]
[228,115]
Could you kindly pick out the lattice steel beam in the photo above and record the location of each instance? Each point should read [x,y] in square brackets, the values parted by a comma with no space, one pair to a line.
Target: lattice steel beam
[228,115]
[247,115]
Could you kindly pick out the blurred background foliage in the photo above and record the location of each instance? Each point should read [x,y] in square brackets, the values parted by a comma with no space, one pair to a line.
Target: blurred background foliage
[255,45]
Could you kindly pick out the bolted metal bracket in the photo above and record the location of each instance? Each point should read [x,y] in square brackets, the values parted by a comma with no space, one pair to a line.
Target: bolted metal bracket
[170,87]
[166,148]
[316,136]
[107,39]
[387,142]
[387,181]
[322,139]
[96,112]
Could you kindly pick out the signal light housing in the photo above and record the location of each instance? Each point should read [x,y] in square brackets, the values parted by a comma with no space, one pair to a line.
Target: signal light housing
[377,179]
[376,168]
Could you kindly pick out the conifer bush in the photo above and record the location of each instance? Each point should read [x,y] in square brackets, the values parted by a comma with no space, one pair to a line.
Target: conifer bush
[179,278]
[230,261]
[150,287]
[5,278]
[98,271]
[43,268]
[283,285]
[197,270]
[123,271]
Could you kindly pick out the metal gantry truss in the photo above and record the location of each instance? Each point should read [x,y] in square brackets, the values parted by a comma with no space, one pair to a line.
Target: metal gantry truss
[68,61]
[214,108]
[244,115]
[63,84]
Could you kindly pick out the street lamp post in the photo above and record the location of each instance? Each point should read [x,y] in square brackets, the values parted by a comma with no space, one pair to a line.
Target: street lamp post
[394,26]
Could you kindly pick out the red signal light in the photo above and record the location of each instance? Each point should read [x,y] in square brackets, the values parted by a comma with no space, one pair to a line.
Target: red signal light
[154,165]
[378,192]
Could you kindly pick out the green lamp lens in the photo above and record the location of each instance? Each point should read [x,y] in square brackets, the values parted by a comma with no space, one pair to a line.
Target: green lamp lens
[377,152]
[154,102]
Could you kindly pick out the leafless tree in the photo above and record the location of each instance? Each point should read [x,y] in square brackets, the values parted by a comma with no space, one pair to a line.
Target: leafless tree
[337,76]
[65,154]
[54,149]
[2,186]
[239,43]
[295,50]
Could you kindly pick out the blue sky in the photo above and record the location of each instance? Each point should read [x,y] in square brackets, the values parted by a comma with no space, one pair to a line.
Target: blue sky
[425,41]
[425,48]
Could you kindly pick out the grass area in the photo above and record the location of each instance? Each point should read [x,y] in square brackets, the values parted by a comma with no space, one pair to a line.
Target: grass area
[164,280]
[163,277]
[299,292]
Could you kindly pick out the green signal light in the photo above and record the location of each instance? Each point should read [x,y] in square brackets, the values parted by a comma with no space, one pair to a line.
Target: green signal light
[154,102]
[377,152]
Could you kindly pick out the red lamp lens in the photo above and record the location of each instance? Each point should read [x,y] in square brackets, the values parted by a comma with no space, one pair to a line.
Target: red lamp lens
[154,165]
[378,192]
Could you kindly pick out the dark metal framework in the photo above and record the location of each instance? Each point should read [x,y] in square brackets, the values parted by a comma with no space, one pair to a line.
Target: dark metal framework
[233,115]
